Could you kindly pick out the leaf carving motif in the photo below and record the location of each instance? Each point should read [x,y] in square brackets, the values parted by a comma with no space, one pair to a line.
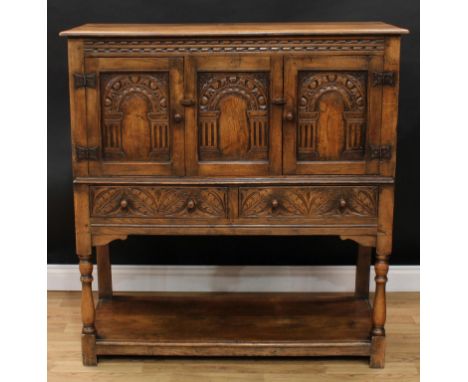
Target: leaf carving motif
[363,202]
[106,201]
[309,202]
[255,202]
[212,203]
[158,202]
[141,202]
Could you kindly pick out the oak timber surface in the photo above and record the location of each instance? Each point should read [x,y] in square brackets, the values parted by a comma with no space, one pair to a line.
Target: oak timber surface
[64,355]
[233,29]
[238,317]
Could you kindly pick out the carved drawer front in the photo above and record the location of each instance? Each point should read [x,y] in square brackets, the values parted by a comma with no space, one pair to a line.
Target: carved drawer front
[308,202]
[159,202]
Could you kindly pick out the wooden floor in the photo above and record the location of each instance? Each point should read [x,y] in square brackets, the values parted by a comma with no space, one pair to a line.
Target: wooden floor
[64,355]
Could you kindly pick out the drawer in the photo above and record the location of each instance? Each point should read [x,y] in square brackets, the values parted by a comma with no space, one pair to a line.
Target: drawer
[308,202]
[159,202]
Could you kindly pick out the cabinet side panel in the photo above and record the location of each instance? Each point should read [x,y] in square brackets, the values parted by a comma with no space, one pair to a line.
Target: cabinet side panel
[77,105]
[82,232]
[390,104]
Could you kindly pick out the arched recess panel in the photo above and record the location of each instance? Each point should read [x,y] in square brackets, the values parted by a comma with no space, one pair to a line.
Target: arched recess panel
[135,117]
[331,116]
[135,121]
[334,114]
[233,116]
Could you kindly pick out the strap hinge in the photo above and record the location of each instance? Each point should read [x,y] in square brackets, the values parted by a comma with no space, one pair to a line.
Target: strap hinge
[384,78]
[84,80]
[86,153]
[383,152]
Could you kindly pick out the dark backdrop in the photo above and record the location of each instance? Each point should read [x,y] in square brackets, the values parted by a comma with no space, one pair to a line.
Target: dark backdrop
[230,250]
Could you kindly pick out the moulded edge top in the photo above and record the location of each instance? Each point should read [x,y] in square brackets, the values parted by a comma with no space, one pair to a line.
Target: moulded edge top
[234,29]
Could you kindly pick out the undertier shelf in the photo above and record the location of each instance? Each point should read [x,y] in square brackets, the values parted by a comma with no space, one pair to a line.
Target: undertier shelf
[233,324]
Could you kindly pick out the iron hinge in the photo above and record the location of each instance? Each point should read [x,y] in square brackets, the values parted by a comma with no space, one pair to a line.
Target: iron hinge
[86,153]
[84,80]
[383,152]
[384,78]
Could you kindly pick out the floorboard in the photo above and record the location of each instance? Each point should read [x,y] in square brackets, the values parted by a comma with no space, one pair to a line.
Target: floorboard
[64,355]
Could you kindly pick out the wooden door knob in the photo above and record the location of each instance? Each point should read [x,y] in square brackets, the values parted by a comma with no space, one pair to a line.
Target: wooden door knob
[274,204]
[289,116]
[123,204]
[177,118]
[191,205]
[342,203]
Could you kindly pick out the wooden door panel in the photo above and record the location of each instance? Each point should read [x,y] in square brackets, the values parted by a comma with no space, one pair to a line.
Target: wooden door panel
[132,116]
[332,115]
[233,116]
[233,128]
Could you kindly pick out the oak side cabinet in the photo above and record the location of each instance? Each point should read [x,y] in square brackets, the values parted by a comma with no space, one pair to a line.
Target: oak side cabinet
[234,129]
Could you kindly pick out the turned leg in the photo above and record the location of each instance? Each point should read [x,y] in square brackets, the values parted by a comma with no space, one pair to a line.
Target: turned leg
[104,271]
[363,271]
[377,359]
[88,336]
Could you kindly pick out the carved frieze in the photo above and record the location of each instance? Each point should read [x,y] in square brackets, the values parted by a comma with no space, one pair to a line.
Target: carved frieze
[150,47]
[308,202]
[158,202]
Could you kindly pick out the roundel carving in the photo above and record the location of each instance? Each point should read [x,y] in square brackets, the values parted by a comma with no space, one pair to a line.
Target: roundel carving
[151,87]
[249,86]
[349,86]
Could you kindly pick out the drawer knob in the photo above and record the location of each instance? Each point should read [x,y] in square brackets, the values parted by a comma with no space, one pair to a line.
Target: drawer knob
[191,205]
[177,118]
[289,116]
[342,203]
[274,204]
[123,204]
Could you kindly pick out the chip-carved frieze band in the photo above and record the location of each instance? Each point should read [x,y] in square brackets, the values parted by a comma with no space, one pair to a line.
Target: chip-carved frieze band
[308,202]
[155,46]
[158,202]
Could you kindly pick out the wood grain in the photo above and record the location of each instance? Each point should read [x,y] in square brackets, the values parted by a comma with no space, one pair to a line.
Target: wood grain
[104,271]
[64,363]
[362,271]
[237,29]
[234,129]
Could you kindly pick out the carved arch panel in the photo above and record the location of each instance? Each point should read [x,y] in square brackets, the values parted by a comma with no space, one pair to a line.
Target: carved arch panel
[233,116]
[332,109]
[135,117]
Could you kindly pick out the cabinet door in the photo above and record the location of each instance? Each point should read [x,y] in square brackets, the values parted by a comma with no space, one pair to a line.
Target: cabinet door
[332,115]
[232,126]
[134,116]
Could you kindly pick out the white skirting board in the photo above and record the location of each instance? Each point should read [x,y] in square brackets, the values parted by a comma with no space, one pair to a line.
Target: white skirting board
[232,278]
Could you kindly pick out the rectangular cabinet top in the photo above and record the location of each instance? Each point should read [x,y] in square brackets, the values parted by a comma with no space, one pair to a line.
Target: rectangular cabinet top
[234,29]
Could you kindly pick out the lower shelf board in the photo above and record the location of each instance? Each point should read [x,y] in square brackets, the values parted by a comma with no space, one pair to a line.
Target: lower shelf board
[233,324]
